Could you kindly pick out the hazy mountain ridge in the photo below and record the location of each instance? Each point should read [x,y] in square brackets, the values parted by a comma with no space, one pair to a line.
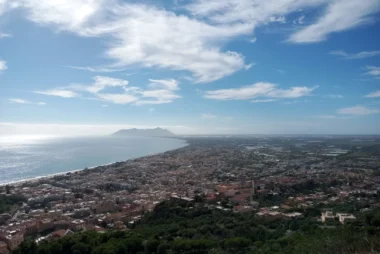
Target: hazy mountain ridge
[157,132]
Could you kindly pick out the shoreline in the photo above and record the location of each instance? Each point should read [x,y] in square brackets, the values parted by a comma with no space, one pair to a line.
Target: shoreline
[37,178]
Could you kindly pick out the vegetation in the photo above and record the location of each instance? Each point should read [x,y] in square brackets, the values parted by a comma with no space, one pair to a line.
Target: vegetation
[7,202]
[182,227]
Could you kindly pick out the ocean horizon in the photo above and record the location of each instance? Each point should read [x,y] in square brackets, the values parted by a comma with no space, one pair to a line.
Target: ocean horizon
[29,157]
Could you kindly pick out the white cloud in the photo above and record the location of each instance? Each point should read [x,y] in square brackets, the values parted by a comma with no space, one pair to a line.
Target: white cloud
[117,98]
[256,12]
[160,91]
[101,82]
[337,17]
[4,35]
[281,19]
[161,94]
[192,40]
[263,100]
[253,40]
[327,116]
[300,20]
[96,69]
[242,93]
[104,106]
[373,71]
[20,101]
[340,15]
[359,55]
[152,102]
[158,38]
[358,110]
[3,65]
[69,15]
[375,94]
[334,96]
[58,92]
[260,89]
[208,116]
[4,6]
[293,92]
[170,84]
[159,97]
[145,35]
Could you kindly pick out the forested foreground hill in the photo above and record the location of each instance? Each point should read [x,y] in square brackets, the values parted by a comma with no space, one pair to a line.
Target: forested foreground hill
[179,227]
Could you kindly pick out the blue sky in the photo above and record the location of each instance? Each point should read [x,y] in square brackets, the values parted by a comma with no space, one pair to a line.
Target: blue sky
[194,67]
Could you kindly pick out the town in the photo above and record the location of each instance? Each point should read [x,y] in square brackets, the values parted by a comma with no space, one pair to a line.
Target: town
[329,179]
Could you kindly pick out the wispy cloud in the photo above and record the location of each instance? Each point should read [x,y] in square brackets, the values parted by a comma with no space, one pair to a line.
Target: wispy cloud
[248,11]
[337,17]
[216,118]
[334,19]
[261,89]
[326,117]
[159,96]
[359,55]
[263,100]
[161,38]
[334,96]
[117,98]
[22,101]
[358,110]
[102,82]
[59,93]
[159,91]
[280,19]
[242,93]
[3,65]
[4,35]
[375,94]
[208,116]
[96,69]
[192,40]
[169,84]
[373,71]
[333,117]
[299,20]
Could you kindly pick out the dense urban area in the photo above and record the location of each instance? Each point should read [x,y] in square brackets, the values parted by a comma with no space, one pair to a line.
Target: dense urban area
[216,195]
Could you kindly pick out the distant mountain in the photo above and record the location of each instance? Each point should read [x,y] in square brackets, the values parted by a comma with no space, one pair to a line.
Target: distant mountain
[157,132]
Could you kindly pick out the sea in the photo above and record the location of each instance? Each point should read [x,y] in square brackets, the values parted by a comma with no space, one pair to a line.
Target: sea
[27,157]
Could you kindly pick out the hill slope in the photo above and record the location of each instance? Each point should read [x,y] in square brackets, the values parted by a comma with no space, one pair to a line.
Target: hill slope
[179,227]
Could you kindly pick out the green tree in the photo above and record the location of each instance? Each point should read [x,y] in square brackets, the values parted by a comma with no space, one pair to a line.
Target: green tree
[163,248]
[81,248]
[236,243]
[150,246]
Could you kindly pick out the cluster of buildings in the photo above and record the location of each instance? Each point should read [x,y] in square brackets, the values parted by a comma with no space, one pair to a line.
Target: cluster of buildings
[270,177]
[329,216]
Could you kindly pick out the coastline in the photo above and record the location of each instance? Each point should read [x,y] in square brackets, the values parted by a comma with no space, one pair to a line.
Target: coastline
[38,178]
